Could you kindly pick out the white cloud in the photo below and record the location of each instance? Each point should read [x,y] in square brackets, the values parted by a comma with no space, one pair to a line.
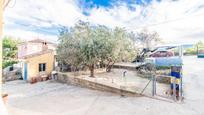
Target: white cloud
[29,35]
[37,14]
[57,11]
[179,21]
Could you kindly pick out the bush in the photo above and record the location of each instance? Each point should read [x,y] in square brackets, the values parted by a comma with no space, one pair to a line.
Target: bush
[191,51]
[7,63]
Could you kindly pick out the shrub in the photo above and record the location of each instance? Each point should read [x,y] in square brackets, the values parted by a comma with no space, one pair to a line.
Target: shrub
[7,63]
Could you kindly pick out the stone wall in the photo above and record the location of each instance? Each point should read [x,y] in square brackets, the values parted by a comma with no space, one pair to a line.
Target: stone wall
[71,80]
[11,75]
[161,78]
[133,68]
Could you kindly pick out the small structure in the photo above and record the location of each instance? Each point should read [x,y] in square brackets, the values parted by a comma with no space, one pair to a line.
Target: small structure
[37,59]
[175,63]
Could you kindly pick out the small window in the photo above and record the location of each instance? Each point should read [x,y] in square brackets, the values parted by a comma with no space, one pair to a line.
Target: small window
[42,67]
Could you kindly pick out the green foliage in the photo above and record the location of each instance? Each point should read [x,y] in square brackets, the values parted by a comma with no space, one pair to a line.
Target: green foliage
[191,51]
[86,44]
[124,49]
[10,51]
[200,44]
[195,49]
[11,43]
[7,63]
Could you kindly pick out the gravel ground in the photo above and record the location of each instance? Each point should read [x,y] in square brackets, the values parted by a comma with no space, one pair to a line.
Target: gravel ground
[51,98]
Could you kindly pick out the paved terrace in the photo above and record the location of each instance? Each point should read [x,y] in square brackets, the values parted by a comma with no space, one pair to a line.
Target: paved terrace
[114,80]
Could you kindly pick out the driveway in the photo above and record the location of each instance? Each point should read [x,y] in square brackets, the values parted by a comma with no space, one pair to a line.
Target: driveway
[52,98]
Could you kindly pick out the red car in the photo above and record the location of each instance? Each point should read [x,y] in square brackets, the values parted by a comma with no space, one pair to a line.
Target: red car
[162,53]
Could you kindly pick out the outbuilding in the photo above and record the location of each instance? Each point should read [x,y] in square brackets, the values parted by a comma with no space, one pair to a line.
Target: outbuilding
[38,65]
[37,58]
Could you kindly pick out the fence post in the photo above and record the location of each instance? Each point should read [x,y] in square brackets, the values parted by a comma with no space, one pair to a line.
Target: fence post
[153,85]
[181,85]
[174,88]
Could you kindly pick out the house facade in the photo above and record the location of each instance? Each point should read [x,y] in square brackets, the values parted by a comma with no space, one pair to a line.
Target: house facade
[37,59]
[34,46]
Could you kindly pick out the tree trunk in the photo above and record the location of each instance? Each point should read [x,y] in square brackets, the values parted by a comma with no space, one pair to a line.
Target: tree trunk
[102,65]
[109,66]
[91,68]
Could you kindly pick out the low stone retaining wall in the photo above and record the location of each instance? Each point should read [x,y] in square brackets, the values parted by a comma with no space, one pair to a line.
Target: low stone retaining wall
[163,79]
[77,81]
[159,78]
[132,67]
[11,75]
[120,66]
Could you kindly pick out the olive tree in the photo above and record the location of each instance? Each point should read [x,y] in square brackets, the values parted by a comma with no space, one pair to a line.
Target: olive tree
[68,48]
[147,38]
[86,44]
[125,48]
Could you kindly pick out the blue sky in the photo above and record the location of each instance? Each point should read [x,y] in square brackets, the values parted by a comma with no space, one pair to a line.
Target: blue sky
[87,5]
[175,20]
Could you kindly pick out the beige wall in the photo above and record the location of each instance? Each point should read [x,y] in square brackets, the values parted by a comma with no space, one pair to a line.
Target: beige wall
[33,64]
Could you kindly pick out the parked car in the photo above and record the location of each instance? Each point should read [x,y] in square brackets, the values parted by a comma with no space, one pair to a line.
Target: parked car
[161,53]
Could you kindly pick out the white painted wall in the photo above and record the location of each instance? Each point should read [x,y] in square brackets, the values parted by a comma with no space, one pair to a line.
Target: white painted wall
[31,48]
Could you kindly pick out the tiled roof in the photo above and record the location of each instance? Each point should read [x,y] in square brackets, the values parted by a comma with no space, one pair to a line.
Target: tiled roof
[38,41]
[37,54]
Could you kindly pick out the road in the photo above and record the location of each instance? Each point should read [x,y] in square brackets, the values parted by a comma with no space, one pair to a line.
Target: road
[51,98]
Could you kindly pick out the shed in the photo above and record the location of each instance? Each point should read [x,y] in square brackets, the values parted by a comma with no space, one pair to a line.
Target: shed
[38,64]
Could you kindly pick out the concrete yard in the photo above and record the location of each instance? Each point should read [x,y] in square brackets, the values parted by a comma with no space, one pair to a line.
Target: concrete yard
[52,98]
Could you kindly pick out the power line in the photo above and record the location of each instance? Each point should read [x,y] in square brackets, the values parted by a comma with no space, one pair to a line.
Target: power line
[164,22]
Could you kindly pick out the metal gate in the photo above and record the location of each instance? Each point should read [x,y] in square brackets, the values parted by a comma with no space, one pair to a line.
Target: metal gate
[174,90]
